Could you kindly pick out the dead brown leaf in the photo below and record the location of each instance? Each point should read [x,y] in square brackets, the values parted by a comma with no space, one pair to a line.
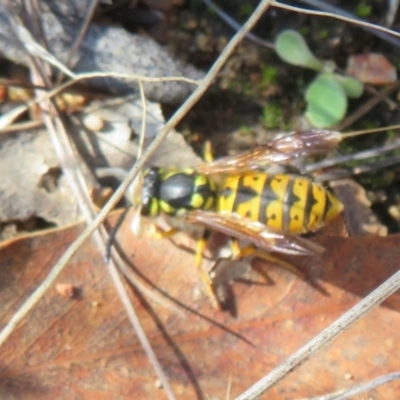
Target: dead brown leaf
[371,68]
[85,348]
[360,220]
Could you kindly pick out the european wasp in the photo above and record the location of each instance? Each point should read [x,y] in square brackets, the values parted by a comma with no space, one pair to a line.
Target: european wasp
[238,197]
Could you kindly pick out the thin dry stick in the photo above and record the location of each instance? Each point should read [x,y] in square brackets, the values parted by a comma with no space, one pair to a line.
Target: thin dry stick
[361,155]
[144,115]
[346,172]
[324,338]
[101,238]
[140,333]
[175,119]
[9,117]
[32,20]
[323,5]
[6,119]
[10,82]
[34,27]
[82,32]
[112,270]
[368,106]
[336,16]
[375,92]
[22,126]
[141,287]
[356,389]
[77,183]
[236,26]
[367,131]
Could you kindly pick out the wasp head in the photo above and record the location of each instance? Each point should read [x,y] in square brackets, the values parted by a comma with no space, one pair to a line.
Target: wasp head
[150,190]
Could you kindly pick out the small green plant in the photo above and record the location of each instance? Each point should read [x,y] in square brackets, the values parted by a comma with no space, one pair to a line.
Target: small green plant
[272,116]
[327,94]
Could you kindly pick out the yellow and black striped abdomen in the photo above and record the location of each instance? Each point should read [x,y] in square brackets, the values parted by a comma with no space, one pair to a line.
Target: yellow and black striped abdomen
[285,203]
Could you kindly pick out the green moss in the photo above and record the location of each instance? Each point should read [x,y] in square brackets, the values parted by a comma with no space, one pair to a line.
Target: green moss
[272,116]
[300,83]
[324,34]
[304,30]
[363,10]
[377,180]
[246,10]
[245,130]
[269,74]
[248,88]
[367,124]
[396,62]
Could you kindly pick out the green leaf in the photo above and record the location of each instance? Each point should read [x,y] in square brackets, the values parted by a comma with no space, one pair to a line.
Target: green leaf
[352,86]
[326,101]
[292,48]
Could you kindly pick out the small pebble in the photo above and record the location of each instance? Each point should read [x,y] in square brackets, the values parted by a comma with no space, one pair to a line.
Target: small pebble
[93,123]
[66,290]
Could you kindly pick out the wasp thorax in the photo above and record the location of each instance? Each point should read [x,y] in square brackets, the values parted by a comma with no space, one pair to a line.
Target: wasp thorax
[175,192]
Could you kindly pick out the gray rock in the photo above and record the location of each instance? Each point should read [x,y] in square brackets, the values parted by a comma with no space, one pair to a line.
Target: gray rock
[105,49]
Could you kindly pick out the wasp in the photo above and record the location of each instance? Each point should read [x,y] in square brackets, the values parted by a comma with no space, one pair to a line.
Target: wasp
[238,197]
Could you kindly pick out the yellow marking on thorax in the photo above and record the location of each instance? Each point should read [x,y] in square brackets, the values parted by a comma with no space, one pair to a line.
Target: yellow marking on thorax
[165,207]
[200,180]
[197,201]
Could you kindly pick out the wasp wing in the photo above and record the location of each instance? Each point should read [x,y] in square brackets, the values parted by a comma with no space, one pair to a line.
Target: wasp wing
[255,232]
[281,150]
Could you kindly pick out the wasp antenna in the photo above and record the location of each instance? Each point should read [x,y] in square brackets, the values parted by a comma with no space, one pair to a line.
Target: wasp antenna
[366,131]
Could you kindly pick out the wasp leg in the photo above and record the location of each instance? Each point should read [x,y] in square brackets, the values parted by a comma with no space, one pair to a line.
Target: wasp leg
[205,277]
[160,234]
[207,152]
[238,253]
[277,261]
[253,251]
[200,247]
